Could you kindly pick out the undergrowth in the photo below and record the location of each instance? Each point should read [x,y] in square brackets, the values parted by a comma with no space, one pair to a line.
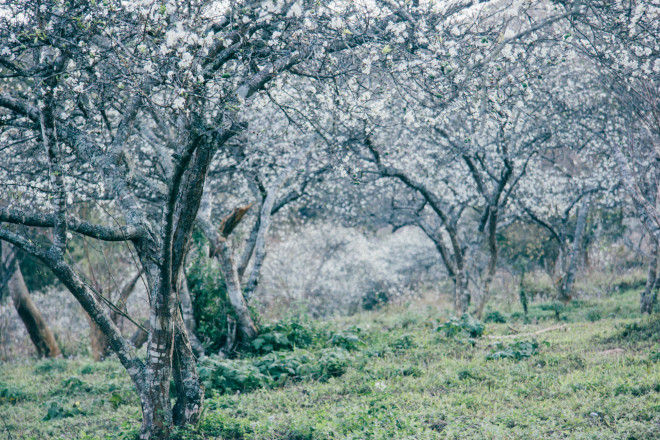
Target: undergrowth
[392,374]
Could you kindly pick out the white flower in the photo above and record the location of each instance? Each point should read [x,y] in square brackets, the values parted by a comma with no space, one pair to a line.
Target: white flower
[178,103]
[186,60]
[5,52]
[380,386]
[295,11]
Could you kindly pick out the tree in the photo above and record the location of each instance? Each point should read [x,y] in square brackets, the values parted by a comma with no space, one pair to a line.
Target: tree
[125,105]
[622,41]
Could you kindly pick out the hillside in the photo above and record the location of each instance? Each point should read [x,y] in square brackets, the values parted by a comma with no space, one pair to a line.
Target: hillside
[394,374]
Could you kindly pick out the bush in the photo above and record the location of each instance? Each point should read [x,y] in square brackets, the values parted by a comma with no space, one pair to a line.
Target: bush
[465,326]
[329,362]
[496,317]
[513,350]
[347,339]
[10,394]
[287,334]
[50,365]
[273,369]
[593,315]
[228,377]
[375,298]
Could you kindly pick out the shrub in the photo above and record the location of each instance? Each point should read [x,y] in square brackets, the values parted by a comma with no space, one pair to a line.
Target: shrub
[286,334]
[593,315]
[273,369]
[375,298]
[57,411]
[347,339]
[50,365]
[513,350]
[495,316]
[465,326]
[229,377]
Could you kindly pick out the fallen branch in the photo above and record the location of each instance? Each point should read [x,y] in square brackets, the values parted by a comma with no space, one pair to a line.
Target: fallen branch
[549,329]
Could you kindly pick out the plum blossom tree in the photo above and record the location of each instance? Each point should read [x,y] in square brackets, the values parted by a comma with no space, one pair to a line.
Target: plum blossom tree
[129,102]
[622,41]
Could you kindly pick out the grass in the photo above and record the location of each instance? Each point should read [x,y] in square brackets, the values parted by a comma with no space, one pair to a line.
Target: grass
[598,378]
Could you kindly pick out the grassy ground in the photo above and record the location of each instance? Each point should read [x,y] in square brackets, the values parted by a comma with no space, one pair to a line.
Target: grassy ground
[598,377]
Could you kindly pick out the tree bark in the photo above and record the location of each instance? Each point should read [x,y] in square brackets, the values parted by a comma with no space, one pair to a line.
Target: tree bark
[36,326]
[98,340]
[649,295]
[246,326]
[566,287]
[189,389]
[188,317]
[492,259]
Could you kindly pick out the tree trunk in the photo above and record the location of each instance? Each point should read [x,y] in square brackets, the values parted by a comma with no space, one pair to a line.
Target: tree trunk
[189,390]
[221,250]
[98,340]
[492,260]
[246,326]
[461,293]
[566,286]
[36,326]
[650,293]
[188,318]
[157,419]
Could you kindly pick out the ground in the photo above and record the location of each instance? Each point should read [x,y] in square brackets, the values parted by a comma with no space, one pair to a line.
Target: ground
[596,376]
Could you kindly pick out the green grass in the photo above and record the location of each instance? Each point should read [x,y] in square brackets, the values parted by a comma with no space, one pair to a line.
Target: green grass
[405,380]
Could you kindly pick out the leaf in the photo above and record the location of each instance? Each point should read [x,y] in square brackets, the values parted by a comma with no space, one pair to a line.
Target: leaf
[387,49]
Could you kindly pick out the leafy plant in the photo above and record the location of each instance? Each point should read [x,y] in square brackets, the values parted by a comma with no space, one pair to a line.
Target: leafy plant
[286,334]
[50,365]
[227,377]
[57,411]
[347,339]
[593,315]
[404,342]
[513,350]
[10,394]
[273,369]
[495,316]
[465,326]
